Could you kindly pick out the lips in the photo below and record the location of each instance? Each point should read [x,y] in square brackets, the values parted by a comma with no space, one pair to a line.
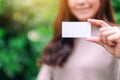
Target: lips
[84,7]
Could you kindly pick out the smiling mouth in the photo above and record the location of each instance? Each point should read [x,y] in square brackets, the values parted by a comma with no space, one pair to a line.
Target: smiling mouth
[83,10]
[85,7]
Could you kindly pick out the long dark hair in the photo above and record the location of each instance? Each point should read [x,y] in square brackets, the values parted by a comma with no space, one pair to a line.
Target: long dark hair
[59,49]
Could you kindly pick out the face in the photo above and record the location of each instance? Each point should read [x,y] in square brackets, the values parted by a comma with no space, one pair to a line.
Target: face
[84,9]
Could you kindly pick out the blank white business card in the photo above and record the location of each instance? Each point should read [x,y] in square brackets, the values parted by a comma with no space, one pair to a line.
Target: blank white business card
[76,29]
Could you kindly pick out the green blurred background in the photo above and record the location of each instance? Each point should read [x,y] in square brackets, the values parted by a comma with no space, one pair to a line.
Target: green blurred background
[25,28]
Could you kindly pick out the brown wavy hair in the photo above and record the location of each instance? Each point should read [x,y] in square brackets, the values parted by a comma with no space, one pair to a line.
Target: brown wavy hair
[59,49]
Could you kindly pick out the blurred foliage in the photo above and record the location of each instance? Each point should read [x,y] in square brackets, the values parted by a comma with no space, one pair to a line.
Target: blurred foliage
[25,28]
[116,4]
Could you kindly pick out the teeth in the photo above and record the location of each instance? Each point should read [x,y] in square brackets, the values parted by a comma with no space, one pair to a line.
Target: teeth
[82,7]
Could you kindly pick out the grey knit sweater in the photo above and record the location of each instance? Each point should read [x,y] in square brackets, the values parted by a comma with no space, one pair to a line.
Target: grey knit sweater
[89,61]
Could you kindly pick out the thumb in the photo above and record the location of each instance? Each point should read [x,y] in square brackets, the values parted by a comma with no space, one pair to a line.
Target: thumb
[93,39]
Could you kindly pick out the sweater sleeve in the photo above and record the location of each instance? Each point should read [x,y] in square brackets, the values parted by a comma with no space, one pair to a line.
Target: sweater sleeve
[45,73]
[119,71]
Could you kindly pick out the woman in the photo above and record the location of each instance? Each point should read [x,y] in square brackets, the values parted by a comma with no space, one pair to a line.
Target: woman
[95,58]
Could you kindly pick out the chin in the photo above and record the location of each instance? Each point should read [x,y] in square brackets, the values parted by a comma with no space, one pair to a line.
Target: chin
[84,17]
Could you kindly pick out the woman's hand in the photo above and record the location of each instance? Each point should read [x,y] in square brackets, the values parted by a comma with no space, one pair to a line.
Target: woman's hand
[109,37]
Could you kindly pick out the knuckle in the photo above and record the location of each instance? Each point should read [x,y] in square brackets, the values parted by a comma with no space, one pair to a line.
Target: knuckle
[109,39]
[104,34]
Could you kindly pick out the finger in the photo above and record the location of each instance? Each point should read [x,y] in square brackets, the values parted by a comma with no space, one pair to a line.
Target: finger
[94,40]
[98,22]
[111,43]
[105,35]
[106,28]
[114,38]
[101,37]
[105,32]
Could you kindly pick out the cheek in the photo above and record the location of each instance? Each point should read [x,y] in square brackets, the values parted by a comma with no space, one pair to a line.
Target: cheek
[70,3]
[96,5]
[95,8]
